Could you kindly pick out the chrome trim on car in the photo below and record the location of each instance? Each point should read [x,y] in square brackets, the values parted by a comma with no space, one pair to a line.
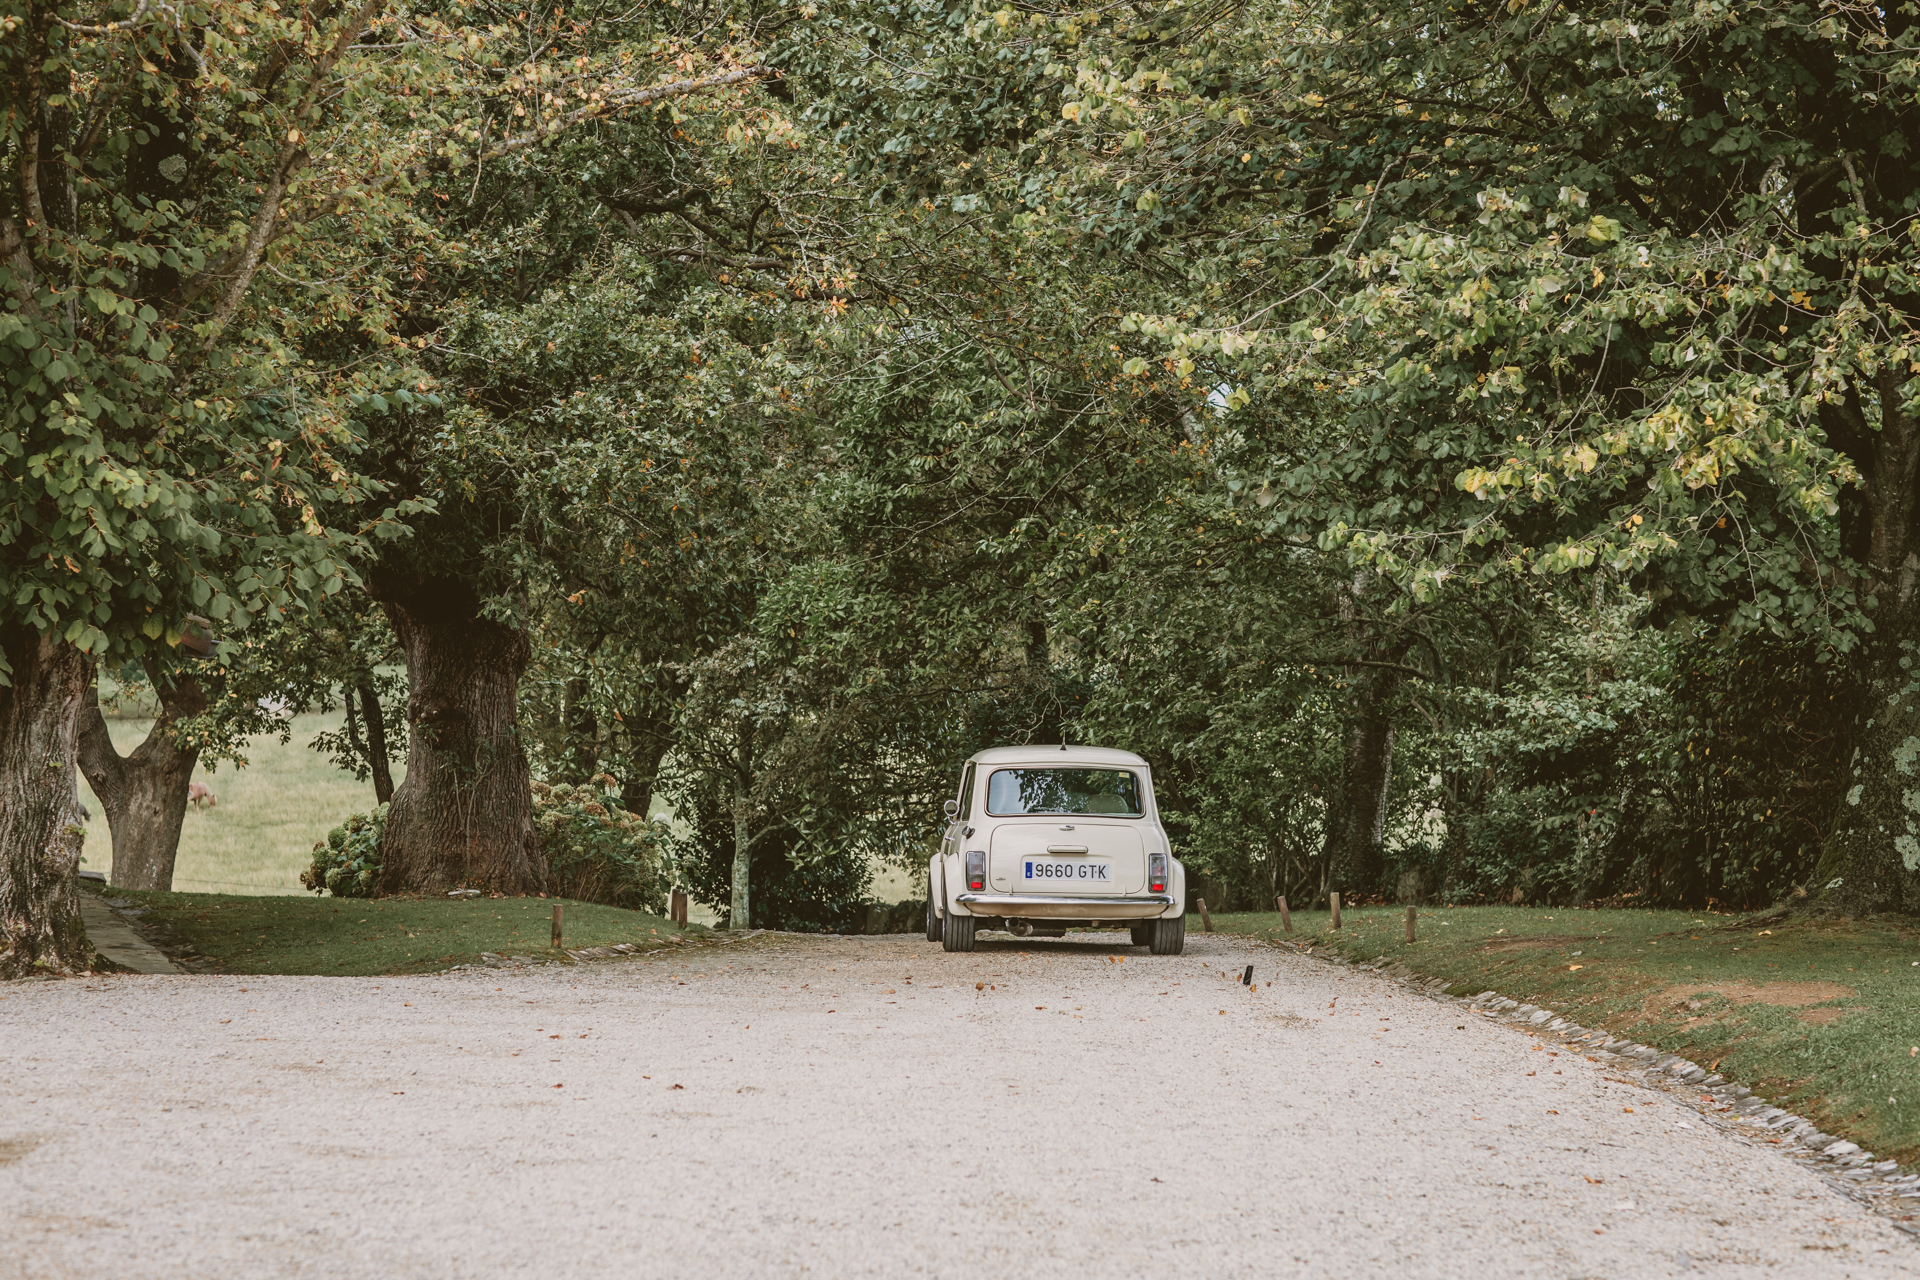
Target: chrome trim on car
[1034,906]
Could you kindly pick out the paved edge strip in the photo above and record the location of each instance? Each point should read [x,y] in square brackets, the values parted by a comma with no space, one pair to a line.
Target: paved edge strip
[1882,1186]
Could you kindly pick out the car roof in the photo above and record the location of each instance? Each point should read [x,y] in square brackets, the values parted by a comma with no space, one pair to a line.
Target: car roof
[1057,755]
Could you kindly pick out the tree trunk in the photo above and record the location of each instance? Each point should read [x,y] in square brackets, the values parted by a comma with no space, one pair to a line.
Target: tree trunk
[1356,827]
[1870,860]
[376,743]
[580,732]
[464,815]
[144,794]
[40,830]
[649,737]
[738,915]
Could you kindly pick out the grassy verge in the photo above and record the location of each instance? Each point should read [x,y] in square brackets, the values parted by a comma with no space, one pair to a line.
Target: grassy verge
[342,937]
[1822,1017]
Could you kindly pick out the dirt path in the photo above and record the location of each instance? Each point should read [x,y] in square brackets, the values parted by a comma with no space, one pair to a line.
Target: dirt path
[861,1108]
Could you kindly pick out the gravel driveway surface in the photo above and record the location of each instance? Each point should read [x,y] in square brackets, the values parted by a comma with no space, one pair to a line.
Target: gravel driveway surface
[862,1108]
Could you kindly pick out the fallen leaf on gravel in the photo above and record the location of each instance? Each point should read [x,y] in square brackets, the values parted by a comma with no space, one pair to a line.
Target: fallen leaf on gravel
[559,1086]
[676,1086]
[979,986]
[1595,1181]
[1628,1110]
[1553,1113]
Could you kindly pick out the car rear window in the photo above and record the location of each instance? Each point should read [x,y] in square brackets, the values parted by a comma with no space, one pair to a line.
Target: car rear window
[1011,792]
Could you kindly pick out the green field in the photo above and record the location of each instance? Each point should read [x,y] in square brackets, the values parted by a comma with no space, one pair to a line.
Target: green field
[259,837]
[344,937]
[1821,1016]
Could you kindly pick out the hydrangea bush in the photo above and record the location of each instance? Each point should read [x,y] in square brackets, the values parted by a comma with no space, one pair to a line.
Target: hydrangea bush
[347,862]
[598,852]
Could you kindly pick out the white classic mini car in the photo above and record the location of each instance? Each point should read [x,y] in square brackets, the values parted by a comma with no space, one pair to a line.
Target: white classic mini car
[1043,839]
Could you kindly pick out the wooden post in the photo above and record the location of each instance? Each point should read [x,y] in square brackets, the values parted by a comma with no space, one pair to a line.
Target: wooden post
[1205,919]
[1286,917]
[556,926]
[1334,899]
[1409,922]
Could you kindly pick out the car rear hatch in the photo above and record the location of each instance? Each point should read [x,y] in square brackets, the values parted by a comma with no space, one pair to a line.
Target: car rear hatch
[1082,858]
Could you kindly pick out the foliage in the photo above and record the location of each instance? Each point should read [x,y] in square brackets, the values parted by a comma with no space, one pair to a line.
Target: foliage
[597,851]
[1652,768]
[347,862]
[172,177]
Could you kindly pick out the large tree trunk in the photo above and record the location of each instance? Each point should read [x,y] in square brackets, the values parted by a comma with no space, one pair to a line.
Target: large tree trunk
[1871,858]
[1356,824]
[144,794]
[464,814]
[40,831]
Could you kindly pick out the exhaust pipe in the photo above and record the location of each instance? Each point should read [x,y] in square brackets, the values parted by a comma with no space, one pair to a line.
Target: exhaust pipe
[1027,929]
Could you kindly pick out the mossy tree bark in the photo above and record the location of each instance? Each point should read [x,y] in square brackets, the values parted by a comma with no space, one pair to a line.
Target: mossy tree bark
[40,830]
[739,914]
[145,793]
[464,814]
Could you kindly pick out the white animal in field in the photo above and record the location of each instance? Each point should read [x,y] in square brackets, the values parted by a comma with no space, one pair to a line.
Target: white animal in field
[198,791]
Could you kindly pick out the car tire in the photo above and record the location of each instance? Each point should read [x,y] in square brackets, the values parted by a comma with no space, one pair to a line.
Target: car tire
[933,919]
[1142,933]
[956,931]
[1169,937]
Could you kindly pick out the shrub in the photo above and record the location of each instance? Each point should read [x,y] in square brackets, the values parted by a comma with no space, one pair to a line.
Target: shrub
[347,862]
[595,850]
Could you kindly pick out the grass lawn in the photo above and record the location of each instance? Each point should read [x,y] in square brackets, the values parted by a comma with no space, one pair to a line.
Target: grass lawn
[343,937]
[1821,1017]
[260,836]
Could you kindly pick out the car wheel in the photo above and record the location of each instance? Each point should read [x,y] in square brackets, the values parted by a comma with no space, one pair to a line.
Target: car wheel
[956,932]
[933,920]
[1169,936]
[1142,933]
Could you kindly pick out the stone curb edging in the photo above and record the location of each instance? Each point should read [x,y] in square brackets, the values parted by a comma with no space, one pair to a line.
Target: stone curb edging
[1847,1170]
[115,938]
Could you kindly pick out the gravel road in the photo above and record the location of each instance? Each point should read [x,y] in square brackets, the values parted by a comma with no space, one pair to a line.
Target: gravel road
[786,1106]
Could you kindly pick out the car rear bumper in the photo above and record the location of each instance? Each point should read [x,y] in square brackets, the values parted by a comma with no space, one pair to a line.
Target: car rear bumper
[1037,906]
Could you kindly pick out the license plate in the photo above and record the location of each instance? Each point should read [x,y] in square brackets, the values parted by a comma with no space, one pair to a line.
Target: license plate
[1066,871]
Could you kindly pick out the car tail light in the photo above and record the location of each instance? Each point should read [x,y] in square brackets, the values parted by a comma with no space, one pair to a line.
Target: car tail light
[976,869]
[1156,873]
